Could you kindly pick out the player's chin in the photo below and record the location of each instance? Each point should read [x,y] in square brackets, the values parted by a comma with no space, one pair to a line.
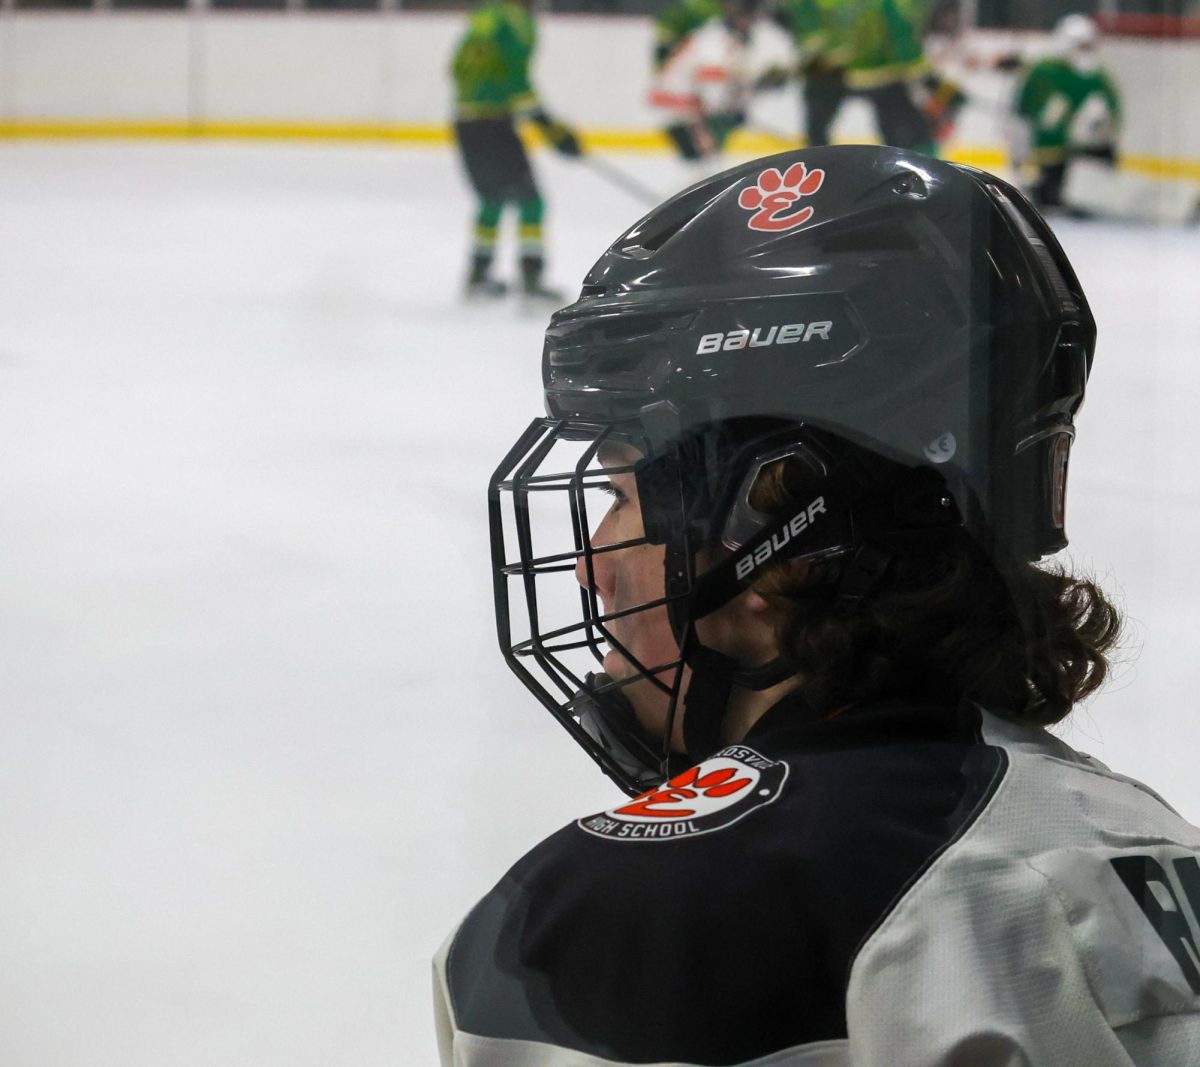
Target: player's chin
[634,661]
[652,709]
[651,705]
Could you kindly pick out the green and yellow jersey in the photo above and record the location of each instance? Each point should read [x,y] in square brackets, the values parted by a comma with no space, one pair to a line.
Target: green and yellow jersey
[815,25]
[491,63]
[875,42]
[1052,95]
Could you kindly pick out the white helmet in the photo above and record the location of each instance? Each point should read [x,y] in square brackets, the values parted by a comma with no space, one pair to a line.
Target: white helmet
[1075,32]
[1075,39]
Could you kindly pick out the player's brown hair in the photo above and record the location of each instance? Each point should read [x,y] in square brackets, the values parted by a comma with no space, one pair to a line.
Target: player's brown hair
[1029,641]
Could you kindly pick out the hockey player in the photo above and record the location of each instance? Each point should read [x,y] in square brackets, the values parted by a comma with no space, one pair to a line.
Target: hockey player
[816,27]
[828,397]
[493,90]
[940,97]
[1069,108]
[707,82]
[1068,123]
[867,48]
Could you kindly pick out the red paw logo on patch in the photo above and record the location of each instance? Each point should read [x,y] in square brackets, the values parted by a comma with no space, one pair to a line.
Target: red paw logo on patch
[775,197]
[720,791]
[672,801]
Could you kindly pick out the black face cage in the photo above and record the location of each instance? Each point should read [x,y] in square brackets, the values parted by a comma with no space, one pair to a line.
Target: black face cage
[557,463]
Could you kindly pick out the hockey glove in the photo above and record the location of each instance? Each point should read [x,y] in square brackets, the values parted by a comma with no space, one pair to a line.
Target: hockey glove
[562,138]
[944,100]
[772,78]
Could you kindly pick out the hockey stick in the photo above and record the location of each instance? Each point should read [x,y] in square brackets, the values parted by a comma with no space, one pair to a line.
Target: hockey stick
[616,176]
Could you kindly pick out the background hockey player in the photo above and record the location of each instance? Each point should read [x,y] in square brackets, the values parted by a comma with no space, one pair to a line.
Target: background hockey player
[828,400]
[939,95]
[868,48]
[706,83]
[492,91]
[1068,108]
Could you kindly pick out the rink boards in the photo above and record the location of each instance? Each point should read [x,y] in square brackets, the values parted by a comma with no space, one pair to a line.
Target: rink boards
[373,76]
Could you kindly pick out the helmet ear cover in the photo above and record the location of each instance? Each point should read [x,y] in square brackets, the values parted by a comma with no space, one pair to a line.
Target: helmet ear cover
[699,492]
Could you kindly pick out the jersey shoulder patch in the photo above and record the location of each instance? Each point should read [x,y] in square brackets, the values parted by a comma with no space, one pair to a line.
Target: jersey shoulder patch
[711,796]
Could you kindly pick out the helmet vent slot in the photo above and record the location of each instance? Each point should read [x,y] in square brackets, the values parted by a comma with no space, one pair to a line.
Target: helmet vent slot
[653,244]
[912,185]
[655,231]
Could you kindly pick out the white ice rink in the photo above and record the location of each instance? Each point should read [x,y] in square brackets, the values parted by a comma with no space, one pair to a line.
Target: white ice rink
[258,752]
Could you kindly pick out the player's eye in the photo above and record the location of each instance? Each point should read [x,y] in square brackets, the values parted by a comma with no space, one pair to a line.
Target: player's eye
[618,494]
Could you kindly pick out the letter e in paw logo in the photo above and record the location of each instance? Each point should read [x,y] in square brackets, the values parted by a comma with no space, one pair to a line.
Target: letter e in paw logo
[775,198]
[715,794]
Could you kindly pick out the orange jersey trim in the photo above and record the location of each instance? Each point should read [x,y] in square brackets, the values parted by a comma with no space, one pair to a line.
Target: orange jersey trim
[662,98]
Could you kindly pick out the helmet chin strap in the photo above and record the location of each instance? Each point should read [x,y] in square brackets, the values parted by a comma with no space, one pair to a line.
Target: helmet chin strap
[714,677]
[707,700]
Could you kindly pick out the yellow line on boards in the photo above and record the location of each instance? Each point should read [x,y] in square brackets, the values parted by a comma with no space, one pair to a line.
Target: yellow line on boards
[53,128]
[292,131]
[748,142]
[1163,168]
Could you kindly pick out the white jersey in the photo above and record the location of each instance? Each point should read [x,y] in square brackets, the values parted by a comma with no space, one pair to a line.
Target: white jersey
[713,71]
[1058,929]
[902,886]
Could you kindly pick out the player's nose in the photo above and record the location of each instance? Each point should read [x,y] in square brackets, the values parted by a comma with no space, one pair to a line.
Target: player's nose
[594,570]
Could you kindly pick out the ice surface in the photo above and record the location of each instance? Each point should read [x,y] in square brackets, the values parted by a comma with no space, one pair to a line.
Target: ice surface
[259,753]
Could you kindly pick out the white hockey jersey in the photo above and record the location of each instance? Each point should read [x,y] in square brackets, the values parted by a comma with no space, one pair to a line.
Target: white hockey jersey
[714,69]
[902,886]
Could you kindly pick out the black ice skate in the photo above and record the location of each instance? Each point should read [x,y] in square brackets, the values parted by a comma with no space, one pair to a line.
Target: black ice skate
[480,283]
[535,295]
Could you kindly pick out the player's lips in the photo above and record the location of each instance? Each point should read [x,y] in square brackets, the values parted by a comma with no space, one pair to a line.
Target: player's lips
[616,662]
[615,665]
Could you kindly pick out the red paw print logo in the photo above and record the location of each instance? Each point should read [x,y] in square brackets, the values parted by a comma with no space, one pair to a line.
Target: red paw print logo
[773,200]
[720,792]
[671,801]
